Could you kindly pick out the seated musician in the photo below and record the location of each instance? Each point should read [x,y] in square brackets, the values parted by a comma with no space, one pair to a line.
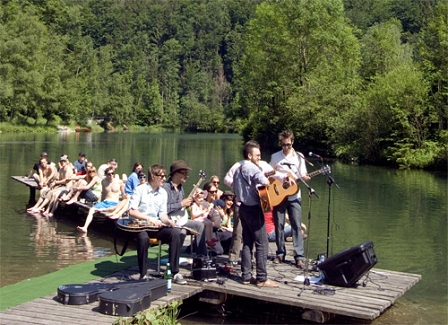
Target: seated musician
[178,202]
[149,202]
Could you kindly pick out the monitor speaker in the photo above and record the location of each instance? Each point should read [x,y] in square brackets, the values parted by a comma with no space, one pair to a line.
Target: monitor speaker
[345,268]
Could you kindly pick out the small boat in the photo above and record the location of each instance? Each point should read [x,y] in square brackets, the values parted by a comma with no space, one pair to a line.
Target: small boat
[79,129]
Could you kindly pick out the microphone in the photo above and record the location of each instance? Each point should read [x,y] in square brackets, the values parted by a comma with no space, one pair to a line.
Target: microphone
[314,155]
[286,164]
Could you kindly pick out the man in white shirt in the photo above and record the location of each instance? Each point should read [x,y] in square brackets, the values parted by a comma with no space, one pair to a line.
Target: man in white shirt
[289,161]
[149,202]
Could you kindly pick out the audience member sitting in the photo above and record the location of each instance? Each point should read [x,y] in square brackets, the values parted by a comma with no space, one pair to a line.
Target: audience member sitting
[34,173]
[52,187]
[112,163]
[227,219]
[270,228]
[45,174]
[132,182]
[80,164]
[110,196]
[212,192]
[215,181]
[61,185]
[87,188]
[199,212]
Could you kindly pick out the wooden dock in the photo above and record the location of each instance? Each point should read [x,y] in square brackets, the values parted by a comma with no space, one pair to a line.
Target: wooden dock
[375,293]
[318,303]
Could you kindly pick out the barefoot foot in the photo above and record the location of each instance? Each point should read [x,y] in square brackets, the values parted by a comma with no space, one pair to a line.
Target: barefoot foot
[81,229]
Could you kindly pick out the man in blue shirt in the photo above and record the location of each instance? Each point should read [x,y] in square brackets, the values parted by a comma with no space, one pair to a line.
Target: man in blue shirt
[80,164]
[246,180]
[149,202]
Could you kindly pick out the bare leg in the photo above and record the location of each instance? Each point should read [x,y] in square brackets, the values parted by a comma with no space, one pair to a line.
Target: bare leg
[88,220]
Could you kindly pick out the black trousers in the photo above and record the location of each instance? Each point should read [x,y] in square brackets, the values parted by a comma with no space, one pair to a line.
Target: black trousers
[172,236]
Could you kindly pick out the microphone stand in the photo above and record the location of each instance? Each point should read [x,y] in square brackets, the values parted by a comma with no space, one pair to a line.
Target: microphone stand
[306,280]
[330,181]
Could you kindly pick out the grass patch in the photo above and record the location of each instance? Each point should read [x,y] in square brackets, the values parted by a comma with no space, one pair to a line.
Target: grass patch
[28,290]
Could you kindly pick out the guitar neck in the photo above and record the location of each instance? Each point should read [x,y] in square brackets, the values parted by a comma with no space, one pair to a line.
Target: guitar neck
[193,191]
[320,171]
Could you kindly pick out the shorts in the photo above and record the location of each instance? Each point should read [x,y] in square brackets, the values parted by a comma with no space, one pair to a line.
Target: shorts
[106,204]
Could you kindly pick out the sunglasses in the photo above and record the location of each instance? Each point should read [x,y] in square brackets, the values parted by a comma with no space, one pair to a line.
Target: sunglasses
[162,176]
[110,174]
[216,182]
[287,145]
[142,177]
[213,192]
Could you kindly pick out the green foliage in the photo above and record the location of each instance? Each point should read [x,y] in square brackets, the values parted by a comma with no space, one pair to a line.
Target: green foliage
[333,71]
[164,316]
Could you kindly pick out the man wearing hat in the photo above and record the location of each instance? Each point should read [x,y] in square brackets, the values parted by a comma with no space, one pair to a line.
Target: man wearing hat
[177,203]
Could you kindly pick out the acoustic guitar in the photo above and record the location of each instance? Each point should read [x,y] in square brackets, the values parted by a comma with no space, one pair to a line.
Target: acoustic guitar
[180,217]
[137,225]
[277,192]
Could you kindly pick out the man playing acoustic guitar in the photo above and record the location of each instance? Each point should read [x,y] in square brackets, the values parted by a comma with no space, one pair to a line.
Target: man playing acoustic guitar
[289,161]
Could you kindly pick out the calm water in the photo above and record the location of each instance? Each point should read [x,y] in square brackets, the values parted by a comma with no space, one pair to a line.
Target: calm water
[404,213]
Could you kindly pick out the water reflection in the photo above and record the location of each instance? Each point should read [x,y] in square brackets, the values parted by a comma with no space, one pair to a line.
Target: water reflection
[66,246]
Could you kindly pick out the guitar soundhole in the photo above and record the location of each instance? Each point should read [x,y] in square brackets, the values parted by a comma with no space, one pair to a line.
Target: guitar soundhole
[285,185]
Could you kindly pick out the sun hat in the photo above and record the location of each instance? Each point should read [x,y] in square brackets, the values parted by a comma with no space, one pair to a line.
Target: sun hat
[178,165]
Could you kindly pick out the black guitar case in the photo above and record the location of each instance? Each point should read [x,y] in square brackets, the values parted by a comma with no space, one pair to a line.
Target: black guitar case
[127,301]
[80,294]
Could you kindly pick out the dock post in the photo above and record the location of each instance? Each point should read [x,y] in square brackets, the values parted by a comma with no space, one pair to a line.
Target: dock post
[32,199]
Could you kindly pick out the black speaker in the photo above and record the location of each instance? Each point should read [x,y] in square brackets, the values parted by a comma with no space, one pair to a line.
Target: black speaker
[345,268]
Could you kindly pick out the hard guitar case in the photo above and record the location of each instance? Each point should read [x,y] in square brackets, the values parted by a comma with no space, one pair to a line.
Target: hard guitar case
[127,301]
[80,294]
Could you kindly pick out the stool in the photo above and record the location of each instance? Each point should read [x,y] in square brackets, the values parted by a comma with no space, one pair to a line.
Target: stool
[153,242]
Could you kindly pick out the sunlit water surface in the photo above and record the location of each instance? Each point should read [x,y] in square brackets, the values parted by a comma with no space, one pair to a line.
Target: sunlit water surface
[404,213]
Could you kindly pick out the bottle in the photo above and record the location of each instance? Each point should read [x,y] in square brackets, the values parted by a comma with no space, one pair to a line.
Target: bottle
[321,259]
[168,276]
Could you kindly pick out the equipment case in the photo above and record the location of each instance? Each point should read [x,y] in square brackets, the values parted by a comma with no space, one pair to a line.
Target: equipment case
[203,268]
[345,268]
[127,301]
[80,294]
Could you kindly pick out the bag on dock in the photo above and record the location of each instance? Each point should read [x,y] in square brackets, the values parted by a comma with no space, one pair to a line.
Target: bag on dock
[127,301]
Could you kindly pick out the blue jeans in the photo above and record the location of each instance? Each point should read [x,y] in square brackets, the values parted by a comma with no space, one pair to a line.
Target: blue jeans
[287,233]
[254,233]
[294,209]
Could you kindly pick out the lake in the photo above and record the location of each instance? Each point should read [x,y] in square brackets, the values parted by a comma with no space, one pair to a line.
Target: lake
[404,213]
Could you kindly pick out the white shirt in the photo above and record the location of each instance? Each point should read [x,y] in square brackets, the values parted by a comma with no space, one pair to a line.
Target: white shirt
[149,202]
[295,165]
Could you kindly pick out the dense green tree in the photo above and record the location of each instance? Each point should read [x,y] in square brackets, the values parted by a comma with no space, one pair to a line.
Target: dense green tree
[294,49]
[382,49]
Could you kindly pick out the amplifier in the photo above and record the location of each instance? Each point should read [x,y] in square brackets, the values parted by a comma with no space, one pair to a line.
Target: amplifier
[204,268]
[345,268]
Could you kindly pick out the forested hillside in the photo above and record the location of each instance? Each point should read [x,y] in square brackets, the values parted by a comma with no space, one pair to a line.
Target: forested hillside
[356,79]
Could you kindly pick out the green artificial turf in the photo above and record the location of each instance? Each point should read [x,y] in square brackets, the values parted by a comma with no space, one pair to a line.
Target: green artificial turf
[27,290]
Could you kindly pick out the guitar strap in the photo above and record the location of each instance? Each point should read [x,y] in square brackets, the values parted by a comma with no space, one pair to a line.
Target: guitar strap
[125,245]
